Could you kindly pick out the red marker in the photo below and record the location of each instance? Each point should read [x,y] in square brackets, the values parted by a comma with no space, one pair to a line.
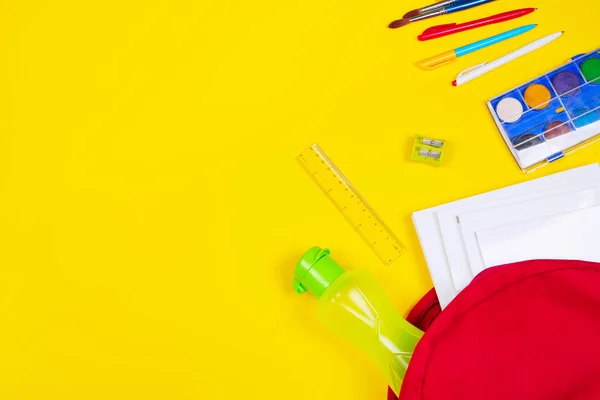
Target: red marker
[450,29]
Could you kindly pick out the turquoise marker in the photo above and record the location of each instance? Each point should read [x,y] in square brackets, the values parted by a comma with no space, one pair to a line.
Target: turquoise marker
[451,55]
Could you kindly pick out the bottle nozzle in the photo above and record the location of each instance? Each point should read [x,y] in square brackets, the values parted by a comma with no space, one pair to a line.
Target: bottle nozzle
[315,272]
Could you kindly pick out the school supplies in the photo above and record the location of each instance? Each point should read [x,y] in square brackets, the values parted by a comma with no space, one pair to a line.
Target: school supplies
[553,115]
[354,306]
[430,151]
[449,9]
[479,70]
[459,239]
[351,204]
[451,55]
[450,29]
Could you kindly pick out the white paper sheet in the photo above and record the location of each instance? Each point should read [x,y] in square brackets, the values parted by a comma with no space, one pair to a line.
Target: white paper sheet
[569,236]
[514,213]
[457,247]
[431,240]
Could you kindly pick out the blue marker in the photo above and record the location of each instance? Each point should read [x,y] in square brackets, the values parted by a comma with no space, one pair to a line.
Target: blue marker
[451,55]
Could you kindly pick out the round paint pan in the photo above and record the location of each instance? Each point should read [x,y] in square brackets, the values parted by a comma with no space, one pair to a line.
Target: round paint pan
[537,96]
[556,129]
[591,70]
[509,109]
[526,141]
[584,117]
[566,83]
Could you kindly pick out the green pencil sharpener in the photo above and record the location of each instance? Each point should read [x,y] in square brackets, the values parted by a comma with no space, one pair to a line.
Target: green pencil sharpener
[426,150]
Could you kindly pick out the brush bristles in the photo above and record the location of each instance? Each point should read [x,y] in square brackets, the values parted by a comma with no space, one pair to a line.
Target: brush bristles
[399,23]
[413,13]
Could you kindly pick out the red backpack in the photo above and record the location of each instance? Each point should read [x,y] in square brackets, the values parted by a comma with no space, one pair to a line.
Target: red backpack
[524,331]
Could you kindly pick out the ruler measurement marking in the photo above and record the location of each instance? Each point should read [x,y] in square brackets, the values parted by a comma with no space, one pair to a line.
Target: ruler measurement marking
[351,204]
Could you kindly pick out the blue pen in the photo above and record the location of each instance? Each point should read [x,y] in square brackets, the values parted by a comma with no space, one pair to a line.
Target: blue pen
[451,55]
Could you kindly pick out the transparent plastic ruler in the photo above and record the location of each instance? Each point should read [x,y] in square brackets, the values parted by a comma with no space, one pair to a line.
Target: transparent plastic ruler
[351,204]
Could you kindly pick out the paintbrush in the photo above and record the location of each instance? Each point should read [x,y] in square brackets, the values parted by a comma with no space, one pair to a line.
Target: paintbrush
[424,10]
[452,8]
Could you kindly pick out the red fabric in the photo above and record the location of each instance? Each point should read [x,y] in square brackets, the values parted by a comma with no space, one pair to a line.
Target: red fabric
[426,311]
[525,331]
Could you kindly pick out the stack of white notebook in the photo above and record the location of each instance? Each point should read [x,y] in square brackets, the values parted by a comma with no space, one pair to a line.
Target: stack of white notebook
[555,217]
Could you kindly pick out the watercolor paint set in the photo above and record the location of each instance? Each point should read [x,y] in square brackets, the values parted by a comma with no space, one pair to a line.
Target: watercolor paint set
[552,115]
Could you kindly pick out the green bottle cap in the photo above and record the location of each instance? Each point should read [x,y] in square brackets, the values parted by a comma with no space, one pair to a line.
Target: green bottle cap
[315,272]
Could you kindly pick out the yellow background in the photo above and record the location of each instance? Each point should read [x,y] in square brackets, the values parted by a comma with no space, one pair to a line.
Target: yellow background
[151,208]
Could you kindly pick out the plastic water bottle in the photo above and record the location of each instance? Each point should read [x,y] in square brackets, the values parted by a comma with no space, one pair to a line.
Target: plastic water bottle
[354,306]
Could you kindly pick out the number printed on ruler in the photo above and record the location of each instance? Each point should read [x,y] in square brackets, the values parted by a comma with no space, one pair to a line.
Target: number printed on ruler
[351,204]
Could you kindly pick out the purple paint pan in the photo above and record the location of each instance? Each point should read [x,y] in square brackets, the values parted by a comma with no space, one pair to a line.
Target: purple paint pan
[566,83]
